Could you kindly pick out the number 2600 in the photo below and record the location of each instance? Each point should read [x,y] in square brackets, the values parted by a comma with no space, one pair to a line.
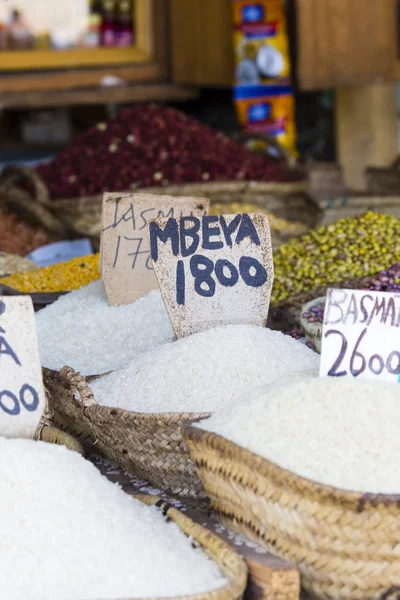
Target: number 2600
[375,363]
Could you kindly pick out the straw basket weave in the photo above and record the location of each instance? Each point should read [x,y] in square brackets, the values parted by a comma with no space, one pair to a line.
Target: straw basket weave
[384,180]
[231,564]
[345,544]
[149,445]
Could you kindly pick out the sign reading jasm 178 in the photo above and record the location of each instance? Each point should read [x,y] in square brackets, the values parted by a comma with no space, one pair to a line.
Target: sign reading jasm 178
[213,270]
[361,335]
[126,267]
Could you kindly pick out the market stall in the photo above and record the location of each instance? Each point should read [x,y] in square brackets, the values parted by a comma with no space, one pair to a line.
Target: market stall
[200,317]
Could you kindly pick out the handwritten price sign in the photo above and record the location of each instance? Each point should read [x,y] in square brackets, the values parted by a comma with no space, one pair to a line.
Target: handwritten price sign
[126,267]
[22,399]
[213,270]
[360,336]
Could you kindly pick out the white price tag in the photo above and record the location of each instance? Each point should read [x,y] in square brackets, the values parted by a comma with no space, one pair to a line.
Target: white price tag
[22,399]
[126,267]
[361,335]
[214,270]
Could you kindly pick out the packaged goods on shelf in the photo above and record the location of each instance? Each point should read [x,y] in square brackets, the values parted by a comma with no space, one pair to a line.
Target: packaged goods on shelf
[339,432]
[61,277]
[82,331]
[74,534]
[204,371]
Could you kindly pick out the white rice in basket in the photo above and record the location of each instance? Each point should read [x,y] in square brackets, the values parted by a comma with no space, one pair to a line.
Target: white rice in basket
[82,331]
[204,371]
[340,432]
[68,533]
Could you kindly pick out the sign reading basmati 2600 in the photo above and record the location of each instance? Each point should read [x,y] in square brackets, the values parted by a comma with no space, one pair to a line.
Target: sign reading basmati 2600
[22,399]
[213,270]
[360,336]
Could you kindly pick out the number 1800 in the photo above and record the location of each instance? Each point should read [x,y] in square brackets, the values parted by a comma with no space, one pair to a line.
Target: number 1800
[202,269]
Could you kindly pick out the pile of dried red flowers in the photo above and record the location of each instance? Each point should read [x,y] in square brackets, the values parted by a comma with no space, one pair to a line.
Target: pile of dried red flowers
[151,145]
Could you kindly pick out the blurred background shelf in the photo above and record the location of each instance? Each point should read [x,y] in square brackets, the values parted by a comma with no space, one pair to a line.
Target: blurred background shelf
[98,95]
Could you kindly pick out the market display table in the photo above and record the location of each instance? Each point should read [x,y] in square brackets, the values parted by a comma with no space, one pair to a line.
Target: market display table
[270,578]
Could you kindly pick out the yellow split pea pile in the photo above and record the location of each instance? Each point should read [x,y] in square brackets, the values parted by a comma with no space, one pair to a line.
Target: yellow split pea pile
[349,249]
[62,277]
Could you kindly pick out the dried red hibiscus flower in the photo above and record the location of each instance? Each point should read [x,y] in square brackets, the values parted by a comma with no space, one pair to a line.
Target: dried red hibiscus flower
[150,145]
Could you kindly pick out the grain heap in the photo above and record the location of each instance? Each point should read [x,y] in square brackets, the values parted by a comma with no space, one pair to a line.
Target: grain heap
[68,533]
[350,248]
[205,371]
[61,277]
[152,145]
[12,263]
[82,331]
[340,432]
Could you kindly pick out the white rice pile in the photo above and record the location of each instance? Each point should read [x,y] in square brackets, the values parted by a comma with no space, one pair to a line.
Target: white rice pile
[340,432]
[69,533]
[205,371]
[82,331]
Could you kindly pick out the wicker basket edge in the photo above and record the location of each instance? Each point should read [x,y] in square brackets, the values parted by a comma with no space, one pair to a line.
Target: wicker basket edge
[226,450]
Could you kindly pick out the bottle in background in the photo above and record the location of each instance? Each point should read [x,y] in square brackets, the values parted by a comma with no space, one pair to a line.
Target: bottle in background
[109,26]
[19,35]
[92,36]
[125,37]
[3,37]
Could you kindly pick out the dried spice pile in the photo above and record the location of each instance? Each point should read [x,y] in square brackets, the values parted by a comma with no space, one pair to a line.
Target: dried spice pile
[61,277]
[152,145]
[349,249]
[18,237]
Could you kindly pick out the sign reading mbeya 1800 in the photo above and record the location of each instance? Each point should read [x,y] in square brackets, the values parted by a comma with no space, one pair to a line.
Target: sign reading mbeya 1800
[126,267]
[214,270]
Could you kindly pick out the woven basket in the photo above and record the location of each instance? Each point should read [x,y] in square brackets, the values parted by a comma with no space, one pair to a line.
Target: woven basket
[345,544]
[231,564]
[384,180]
[20,201]
[149,445]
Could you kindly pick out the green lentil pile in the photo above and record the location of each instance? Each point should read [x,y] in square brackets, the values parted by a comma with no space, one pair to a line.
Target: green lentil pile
[350,248]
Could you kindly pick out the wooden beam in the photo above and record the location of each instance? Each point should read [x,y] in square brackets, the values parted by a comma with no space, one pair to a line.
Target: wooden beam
[79,78]
[366,130]
[104,95]
[346,43]
[202,42]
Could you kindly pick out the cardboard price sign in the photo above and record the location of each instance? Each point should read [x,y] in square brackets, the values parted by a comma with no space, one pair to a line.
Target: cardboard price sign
[126,267]
[213,270]
[360,336]
[22,399]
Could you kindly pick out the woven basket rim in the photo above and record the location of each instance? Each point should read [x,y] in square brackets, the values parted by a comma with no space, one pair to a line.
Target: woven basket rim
[293,481]
[123,411]
[285,187]
[208,541]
